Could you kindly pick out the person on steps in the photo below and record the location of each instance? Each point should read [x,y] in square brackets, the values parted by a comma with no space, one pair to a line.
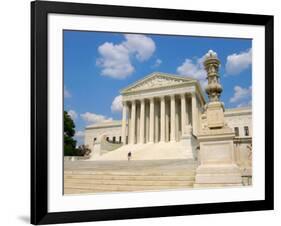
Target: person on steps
[129,156]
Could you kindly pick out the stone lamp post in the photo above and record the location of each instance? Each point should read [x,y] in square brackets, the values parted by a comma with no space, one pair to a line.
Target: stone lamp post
[217,166]
[215,108]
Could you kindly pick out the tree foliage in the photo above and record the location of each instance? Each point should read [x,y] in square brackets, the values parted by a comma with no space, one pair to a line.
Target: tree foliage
[69,132]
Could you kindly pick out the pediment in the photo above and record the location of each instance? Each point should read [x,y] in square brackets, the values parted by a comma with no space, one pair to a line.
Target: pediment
[156,80]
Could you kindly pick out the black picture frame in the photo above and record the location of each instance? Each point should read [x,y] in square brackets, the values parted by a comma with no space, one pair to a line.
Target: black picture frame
[39,112]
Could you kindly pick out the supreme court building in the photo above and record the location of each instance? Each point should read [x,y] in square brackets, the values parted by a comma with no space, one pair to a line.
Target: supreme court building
[161,117]
[161,108]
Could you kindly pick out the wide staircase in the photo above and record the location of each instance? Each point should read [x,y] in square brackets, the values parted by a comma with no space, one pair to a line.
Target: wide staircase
[149,151]
[125,176]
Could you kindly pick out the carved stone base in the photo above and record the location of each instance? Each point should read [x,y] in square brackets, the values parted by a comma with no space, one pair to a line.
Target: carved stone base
[218,175]
[215,115]
[216,157]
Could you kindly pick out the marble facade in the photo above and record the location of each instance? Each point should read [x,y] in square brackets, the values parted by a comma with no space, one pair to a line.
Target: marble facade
[160,109]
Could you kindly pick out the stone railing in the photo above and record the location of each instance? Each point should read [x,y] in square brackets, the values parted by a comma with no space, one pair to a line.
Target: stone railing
[109,146]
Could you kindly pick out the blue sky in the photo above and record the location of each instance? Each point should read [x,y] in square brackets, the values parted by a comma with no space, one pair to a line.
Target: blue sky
[97,65]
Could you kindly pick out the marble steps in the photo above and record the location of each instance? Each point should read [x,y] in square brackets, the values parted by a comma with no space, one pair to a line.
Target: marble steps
[149,151]
[121,176]
[76,183]
[77,191]
[136,180]
[120,188]
[116,189]
[110,183]
[140,166]
[96,183]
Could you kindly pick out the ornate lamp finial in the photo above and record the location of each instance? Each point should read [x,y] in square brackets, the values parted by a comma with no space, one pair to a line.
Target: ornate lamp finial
[214,88]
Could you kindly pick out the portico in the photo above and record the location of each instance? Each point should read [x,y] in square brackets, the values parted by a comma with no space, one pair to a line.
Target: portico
[161,108]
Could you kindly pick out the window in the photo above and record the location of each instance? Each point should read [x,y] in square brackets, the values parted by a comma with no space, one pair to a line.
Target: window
[107,138]
[246,130]
[113,139]
[95,139]
[120,139]
[236,130]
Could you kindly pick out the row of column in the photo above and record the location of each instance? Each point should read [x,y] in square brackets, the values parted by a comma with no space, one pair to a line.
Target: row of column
[163,121]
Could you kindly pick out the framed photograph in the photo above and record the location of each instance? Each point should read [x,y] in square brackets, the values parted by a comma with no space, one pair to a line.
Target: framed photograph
[145,112]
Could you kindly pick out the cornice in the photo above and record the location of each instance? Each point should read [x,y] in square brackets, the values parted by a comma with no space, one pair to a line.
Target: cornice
[127,91]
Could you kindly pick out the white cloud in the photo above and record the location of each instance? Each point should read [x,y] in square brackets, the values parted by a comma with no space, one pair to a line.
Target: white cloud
[95,118]
[115,59]
[142,45]
[157,63]
[242,96]
[245,104]
[116,105]
[66,93]
[79,133]
[72,114]
[79,136]
[194,68]
[236,63]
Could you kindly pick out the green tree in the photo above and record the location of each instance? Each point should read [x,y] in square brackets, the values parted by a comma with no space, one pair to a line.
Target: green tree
[69,132]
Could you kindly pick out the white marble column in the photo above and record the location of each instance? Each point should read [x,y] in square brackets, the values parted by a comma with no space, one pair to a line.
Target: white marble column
[177,131]
[142,110]
[167,125]
[188,103]
[137,122]
[129,107]
[173,118]
[162,117]
[124,122]
[156,121]
[183,114]
[151,120]
[146,131]
[133,122]
[194,114]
